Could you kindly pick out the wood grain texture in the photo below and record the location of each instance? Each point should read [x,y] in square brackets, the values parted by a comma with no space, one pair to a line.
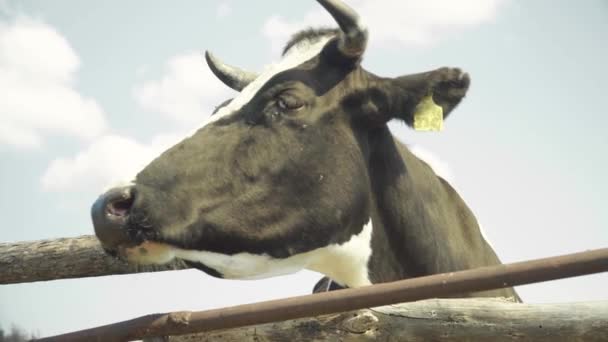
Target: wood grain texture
[472,319]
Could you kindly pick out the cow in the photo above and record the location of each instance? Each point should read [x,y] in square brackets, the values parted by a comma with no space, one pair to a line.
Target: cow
[300,171]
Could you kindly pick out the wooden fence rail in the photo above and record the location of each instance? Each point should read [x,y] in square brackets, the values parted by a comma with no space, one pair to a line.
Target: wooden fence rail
[440,285]
[80,257]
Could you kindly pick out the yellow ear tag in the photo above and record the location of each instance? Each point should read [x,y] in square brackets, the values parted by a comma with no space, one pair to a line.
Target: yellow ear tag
[428,116]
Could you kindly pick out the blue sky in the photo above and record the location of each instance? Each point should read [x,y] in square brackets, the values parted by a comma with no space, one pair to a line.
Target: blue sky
[92,90]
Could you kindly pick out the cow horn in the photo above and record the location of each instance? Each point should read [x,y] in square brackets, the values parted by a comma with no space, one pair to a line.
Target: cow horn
[231,76]
[353,38]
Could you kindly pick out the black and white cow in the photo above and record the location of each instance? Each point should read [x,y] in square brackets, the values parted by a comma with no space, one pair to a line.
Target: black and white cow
[300,171]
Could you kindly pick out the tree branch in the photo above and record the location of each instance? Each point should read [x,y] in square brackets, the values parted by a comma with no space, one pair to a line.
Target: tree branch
[79,257]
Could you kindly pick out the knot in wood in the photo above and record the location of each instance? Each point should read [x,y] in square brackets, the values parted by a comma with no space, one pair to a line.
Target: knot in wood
[181,318]
[360,322]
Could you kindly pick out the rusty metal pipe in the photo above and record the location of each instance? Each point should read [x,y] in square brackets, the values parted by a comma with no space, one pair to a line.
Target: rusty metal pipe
[439,285]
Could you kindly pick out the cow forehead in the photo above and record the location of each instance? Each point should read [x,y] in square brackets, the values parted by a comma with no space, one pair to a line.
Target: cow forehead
[296,55]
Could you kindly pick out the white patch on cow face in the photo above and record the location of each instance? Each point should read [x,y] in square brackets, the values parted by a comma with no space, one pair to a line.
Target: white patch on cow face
[296,55]
[344,263]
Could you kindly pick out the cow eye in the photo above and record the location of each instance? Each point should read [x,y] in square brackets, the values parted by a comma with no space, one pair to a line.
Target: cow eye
[289,103]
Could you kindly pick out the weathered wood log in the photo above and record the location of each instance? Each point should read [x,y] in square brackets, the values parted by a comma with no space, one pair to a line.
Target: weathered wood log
[473,319]
[82,257]
[79,257]
[326,303]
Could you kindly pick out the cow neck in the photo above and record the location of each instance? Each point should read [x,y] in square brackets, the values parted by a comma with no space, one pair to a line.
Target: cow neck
[415,230]
[398,204]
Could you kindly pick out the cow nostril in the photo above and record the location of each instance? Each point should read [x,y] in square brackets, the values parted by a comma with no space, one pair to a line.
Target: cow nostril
[116,203]
[120,206]
[110,214]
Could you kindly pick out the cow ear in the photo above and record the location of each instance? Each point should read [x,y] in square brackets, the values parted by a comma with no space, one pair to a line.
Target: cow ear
[404,97]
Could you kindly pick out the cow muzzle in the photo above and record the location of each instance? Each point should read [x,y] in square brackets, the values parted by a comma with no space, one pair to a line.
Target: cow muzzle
[110,214]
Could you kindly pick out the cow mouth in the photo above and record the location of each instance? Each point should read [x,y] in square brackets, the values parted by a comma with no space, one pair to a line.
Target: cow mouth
[148,253]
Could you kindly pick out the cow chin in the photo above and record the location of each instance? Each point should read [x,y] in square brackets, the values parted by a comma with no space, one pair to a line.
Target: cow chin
[148,253]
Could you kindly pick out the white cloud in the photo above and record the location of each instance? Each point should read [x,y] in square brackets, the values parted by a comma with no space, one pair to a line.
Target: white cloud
[224,9]
[187,93]
[438,165]
[108,161]
[278,30]
[407,22]
[37,71]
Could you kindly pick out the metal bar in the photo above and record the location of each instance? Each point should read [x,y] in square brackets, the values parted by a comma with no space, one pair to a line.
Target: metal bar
[439,285]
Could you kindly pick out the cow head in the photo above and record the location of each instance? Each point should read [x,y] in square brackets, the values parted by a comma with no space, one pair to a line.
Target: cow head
[277,179]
